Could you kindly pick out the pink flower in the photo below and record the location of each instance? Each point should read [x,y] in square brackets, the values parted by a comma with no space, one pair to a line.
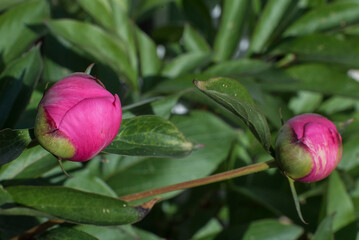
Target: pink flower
[77,118]
[308,148]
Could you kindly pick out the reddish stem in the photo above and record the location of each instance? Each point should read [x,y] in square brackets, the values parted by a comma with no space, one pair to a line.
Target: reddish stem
[203,181]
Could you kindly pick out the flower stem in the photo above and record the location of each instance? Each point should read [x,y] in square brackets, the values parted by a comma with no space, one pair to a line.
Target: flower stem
[203,181]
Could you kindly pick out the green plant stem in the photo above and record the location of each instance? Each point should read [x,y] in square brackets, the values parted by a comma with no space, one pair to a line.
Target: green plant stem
[203,181]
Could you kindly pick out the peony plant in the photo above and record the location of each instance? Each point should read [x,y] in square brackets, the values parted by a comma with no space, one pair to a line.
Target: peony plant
[77,118]
[308,148]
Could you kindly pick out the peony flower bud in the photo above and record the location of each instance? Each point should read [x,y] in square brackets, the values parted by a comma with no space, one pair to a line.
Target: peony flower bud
[77,118]
[308,148]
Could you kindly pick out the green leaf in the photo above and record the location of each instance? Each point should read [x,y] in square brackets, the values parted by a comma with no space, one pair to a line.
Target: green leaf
[237,67]
[324,230]
[159,106]
[322,48]
[20,27]
[147,50]
[198,15]
[311,77]
[185,63]
[31,163]
[126,232]
[349,159]
[234,97]
[209,231]
[352,30]
[180,83]
[145,6]
[65,233]
[226,86]
[149,173]
[77,206]
[164,106]
[325,17]
[17,83]
[123,5]
[13,143]
[5,197]
[89,183]
[4,4]
[264,229]
[60,60]
[269,105]
[100,10]
[273,199]
[338,202]
[23,211]
[100,45]
[337,104]
[126,30]
[149,136]
[268,22]
[271,229]
[230,29]
[305,102]
[28,116]
[193,41]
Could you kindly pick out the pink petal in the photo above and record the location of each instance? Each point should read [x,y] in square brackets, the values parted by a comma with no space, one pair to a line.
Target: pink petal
[324,144]
[68,92]
[297,123]
[92,124]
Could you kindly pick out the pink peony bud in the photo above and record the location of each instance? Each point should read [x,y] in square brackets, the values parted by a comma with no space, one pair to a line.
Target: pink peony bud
[77,118]
[308,148]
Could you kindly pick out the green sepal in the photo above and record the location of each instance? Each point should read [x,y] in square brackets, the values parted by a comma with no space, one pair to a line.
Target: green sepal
[292,157]
[296,199]
[52,139]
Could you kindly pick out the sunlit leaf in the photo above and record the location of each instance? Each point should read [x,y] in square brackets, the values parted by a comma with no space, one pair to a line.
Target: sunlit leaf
[185,63]
[237,67]
[149,136]
[193,41]
[147,50]
[234,97]
[230,30]
[77,206]
[99,44]
[150,173]
[20,27]
[322,48]
[311,77]
[31,163]
[325,17]
[269,20]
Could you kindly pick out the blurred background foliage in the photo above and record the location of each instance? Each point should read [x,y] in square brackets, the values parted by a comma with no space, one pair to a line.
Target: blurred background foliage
[297,56]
